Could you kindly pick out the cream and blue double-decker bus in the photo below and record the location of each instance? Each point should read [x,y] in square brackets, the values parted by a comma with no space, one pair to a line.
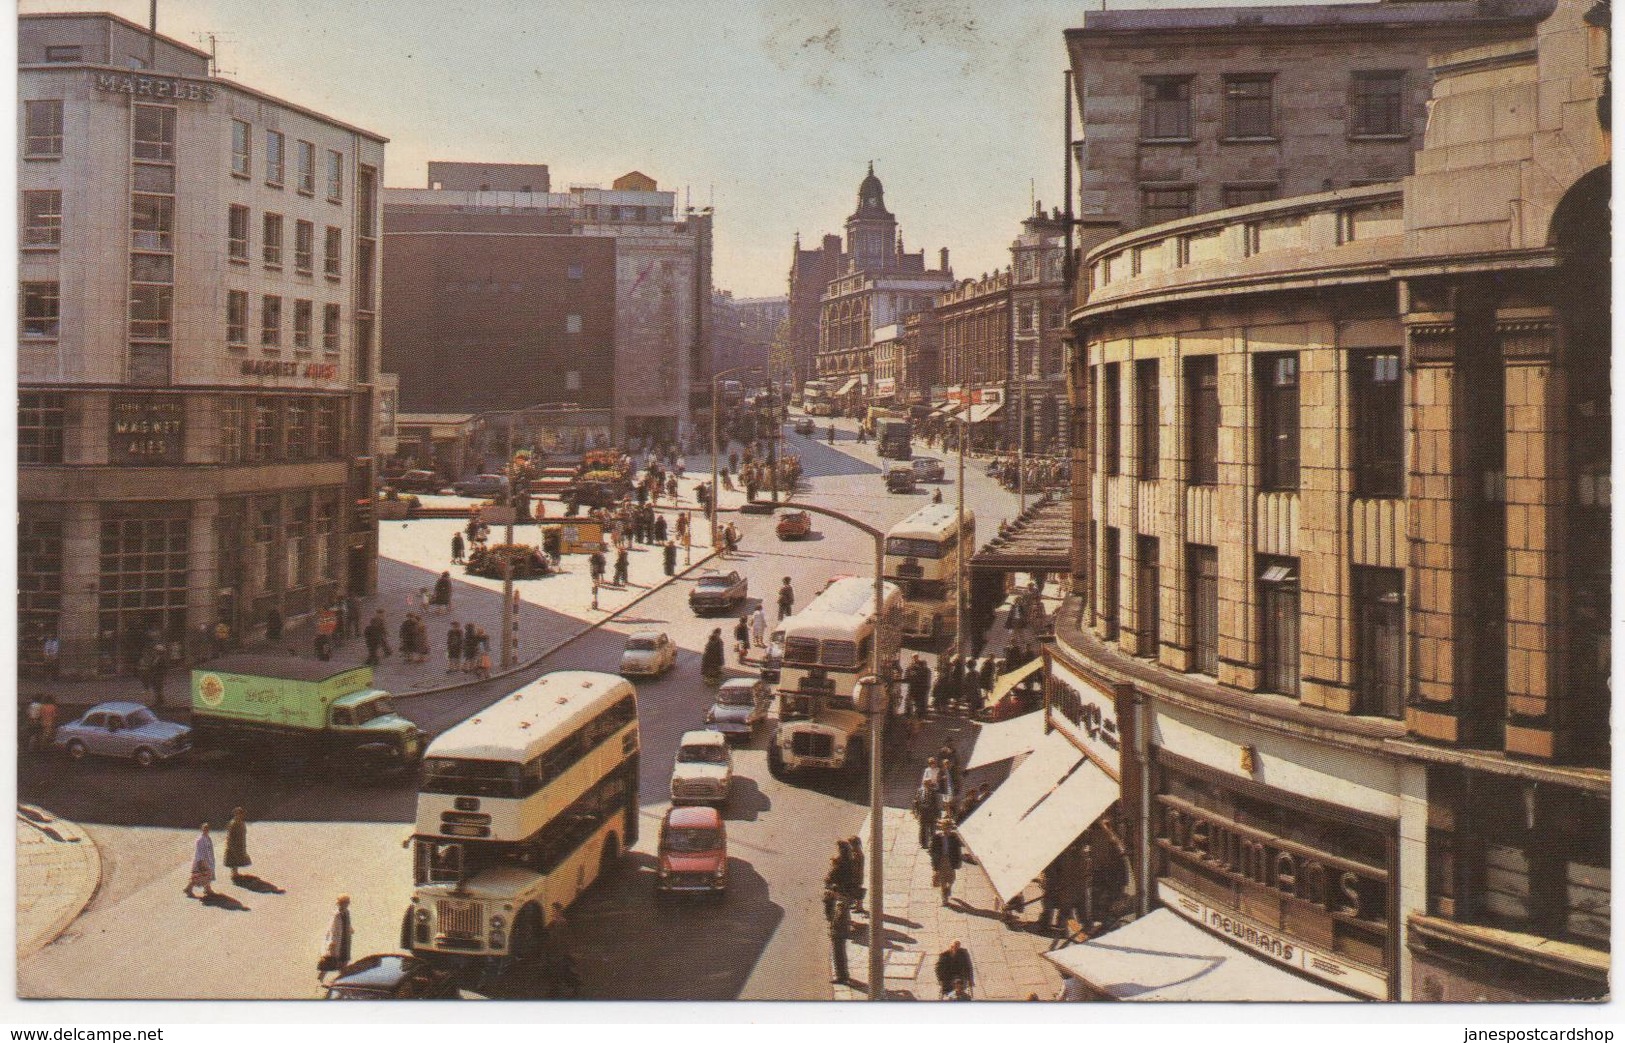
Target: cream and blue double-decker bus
[521,807]
[922,558]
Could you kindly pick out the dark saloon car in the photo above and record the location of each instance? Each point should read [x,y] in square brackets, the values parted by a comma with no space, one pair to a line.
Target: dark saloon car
[741,704]
[482,486]
[392,976]
[415,482]
[900,480]
[718,592]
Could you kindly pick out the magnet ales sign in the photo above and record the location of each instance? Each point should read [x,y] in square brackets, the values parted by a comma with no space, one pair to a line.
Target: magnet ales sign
[147,429]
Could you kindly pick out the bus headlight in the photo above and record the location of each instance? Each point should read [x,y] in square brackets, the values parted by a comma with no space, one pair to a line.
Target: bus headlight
[423,914]
[498,923]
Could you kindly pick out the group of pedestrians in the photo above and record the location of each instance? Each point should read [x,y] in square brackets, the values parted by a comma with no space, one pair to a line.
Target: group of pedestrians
[202,869]
[843,896]
[468,650]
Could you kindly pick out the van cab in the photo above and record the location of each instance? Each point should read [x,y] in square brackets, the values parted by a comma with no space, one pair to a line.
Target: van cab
[704,772]
[693,852]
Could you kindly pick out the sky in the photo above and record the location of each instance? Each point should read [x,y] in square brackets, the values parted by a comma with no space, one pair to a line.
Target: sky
[768,111]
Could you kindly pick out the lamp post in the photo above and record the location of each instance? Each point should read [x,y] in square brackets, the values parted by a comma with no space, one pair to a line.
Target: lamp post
[959,542]
[716,412]
[509,638]
[878,706]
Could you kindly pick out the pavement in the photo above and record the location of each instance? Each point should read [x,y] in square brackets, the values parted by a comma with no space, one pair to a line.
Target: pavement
[58,871]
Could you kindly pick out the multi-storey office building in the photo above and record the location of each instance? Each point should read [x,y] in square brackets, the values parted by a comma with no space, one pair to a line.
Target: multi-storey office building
[1346,551]
[1038,304]
[976,353]
[196,346]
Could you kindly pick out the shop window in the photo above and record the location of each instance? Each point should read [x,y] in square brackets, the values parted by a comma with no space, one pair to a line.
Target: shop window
[1379,425]
[1202,564]
[142,582]
[1165,108]
[1379,641]
[1377,104]
[39,580]
[42,218]
[1248,104]
[1278,421]
[1111,412]
[1202,419]
[1147,419]
[44,129]
[1278,623]
[41,423]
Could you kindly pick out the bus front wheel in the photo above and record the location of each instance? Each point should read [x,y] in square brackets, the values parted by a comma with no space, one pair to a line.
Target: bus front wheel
[775,761]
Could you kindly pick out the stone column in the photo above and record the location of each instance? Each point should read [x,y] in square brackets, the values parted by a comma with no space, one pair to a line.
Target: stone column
[1325,470]
[1172,525]
[81,586]
[1236,529]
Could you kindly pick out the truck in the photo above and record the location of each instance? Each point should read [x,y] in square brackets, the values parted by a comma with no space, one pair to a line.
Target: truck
[892,439]
[294,711]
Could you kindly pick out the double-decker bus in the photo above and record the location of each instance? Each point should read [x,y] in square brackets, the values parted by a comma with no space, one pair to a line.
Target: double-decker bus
[815,398]
[921,559]
[828,646]
[521,807]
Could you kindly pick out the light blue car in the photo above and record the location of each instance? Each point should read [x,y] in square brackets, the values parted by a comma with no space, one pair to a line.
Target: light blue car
[124,730]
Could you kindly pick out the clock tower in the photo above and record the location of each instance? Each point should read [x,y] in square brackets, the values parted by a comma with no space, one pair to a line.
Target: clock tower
[871,231]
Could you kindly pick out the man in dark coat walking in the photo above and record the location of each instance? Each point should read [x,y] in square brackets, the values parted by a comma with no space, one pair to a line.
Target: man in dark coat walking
[377,637]
[622,567]
[918,679]
[457,548]
[454,648]
[595,565]
[953,965]
[927,809]
[237,845]
[669,558]
[947,855]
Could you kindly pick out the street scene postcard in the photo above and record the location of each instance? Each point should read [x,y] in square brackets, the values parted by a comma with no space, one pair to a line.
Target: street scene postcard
[817,501]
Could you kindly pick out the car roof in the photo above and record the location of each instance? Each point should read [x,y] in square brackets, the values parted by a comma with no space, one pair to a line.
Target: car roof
[116,708]
[701,738]
[650,634]
[694,817]
[741,682]
[381,971]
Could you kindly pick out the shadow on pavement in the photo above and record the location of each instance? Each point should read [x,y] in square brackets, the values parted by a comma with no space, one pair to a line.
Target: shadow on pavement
[747,801]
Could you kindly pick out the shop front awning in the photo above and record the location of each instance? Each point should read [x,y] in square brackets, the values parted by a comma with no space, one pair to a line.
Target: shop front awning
[1163,956]
[1006,739]
[946,409]
[1005,682]
[1042,807]
[984,411]
[846,388]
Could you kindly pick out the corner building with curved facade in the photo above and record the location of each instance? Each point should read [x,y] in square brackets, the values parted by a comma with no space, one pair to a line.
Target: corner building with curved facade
[1343,533]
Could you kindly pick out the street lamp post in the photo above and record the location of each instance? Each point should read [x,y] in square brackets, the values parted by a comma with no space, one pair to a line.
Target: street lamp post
[716,412]
[959,543]
[879,704]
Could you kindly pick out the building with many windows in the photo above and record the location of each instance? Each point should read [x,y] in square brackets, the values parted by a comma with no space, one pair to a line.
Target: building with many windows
[196,347]
[1343,556]
[1038,305]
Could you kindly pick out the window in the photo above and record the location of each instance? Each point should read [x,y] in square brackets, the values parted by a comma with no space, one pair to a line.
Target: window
[296,426]
[1027,317]
[1147,594]
[1278,421]
[1111,413]
[576,271]
[1110,569]
[275,162]
[334,256]
[152,222]
[572,324]
[64,53]
[1147,419]
[150,309]
[303,318]
[237,234]
[1377,104]
[1379,621]
[42,309]
[143,572]
[41,420]
[154,136]
[153,177]
[1165,107]
[44,128]
[231,428]
[306,158]
[304,247]
[272,248]
[1379,426]
[1246,195]
[335,176]
[1165,204]
[271,322]
[327,428]
[236,316]
[1278,624]
[330,328]
[1247,107]
[1202,419]
[365,251]
[1202,565]
[42,218]
[39,577]
[241,144]
[267,432]
[572,380]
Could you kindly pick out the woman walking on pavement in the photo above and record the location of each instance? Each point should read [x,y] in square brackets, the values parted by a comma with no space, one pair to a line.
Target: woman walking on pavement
[711,660]
[758,628]
[336,946]
[237,845]
[742,637]
[202,865]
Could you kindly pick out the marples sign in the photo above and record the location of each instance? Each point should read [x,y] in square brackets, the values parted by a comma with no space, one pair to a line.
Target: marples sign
[155,87]
[147,429]
[274,368]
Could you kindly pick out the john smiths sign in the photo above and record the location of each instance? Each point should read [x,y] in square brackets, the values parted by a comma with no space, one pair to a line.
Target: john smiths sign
[147,429]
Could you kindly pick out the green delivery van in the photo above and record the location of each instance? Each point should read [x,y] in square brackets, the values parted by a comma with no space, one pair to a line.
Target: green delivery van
[295,710]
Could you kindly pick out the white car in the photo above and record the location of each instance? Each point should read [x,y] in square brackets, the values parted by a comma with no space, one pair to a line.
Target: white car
[649,653]
[704,772]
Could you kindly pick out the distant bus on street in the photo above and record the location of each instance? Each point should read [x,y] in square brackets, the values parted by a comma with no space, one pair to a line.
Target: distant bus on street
[920,559]
[815,398]
[521,807]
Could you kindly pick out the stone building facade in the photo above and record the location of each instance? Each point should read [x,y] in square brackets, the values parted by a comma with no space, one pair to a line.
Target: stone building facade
[975,316]
[197,347]
[811,272]
[1038,306]
[1344,547]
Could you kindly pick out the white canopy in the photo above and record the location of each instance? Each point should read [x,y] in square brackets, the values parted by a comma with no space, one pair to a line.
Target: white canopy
[851,382]
[1163,956]
[983,410]
[1006,739]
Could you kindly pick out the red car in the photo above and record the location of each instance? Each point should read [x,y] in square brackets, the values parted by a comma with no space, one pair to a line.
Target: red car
[795,525]
[693,853]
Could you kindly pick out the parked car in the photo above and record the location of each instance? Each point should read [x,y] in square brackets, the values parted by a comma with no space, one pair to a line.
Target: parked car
[124,730]
[900,479]
[415,482]
[741,705]
[693,851]
[794,525]
[806,426]
[928,469]
[704,772]
[774,658]
[482,486]
[718,591]
[649,653]
[392,976]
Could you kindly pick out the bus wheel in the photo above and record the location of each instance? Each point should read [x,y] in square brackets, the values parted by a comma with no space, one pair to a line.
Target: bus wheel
[526,944]
[775,760]
[610,856]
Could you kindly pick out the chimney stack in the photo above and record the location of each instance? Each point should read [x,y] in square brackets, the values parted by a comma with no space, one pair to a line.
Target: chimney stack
[944,258]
